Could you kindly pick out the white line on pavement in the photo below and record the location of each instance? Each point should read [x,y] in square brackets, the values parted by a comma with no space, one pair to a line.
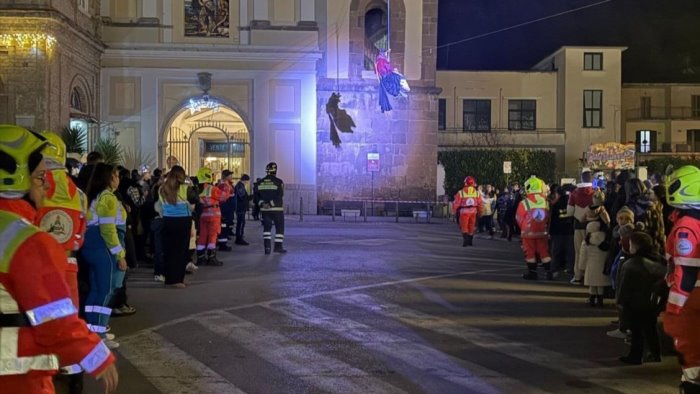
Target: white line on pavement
[324,373]
[610,377]
[423,357]
[169,368]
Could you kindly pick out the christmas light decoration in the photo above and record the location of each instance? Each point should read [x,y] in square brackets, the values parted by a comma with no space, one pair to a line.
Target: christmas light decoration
[28,40]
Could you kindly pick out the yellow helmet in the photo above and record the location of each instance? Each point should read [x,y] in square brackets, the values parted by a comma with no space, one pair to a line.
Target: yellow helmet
[534,185]
[205,175]
[17,144]
[683,188]
[55,151]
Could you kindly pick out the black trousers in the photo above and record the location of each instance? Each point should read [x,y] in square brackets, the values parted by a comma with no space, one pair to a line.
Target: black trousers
[562,251]
[642,325]
[240,224]
[276,217]
[176,245]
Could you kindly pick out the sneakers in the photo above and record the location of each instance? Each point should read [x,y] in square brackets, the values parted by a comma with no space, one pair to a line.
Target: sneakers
[616,334]
[159,278]
[110,337]
[124,310]
[110,344]
[576,282]
[191,268]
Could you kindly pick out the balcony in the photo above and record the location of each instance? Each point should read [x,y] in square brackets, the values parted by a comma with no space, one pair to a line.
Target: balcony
[663,113]
[458,138]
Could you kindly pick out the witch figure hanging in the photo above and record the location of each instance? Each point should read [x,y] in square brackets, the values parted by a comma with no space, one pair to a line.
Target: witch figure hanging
[339,119]
[390,81]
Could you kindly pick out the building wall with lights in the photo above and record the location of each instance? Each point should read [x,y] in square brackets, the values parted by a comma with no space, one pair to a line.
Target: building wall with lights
[49,63]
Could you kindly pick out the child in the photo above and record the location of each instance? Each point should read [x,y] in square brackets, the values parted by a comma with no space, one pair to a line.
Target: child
[639,274]
[592,260]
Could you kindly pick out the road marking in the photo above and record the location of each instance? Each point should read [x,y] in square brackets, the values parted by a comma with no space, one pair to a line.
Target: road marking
[471,377]
[609,377]
[325,373]
[169,368]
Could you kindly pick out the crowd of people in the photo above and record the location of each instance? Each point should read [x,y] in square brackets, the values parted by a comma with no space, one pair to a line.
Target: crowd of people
[634,241]
[96,221]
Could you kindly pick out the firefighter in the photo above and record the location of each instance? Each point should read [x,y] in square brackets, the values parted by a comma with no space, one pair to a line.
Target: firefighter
[269,194]
[467,207]
[533,219]
[63,216]
[39,324]
[682,317]
[210,218]
[228,211]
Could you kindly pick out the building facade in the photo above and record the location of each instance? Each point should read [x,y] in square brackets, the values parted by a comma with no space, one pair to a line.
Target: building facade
[569,100]
[49,63]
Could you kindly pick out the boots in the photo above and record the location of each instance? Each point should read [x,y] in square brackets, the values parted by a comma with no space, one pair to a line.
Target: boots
[201,257]
[211,258]
[531,273]
[592,300]
[241,241]
[279,248]
[548,268]
[268,245]
[470,240]
[465,239]
[599,300]
[224,248]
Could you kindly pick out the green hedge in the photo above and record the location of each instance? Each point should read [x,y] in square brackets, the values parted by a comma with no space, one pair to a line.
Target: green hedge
[659,165]
[487,166]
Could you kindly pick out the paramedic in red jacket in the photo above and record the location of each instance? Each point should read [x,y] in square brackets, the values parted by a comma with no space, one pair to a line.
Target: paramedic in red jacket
[533,219]
[467,206]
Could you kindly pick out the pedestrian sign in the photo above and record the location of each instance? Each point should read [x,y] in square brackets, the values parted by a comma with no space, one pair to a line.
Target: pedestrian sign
[507,167]
[372,162]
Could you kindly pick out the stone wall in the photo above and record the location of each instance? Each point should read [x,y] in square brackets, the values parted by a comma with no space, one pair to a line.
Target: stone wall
[36,82]
[405,138]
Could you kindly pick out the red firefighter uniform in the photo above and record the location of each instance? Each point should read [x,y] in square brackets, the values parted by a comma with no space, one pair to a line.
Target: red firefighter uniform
[467,206]
[40,328]
[210,218]
[682,317]
[533,219]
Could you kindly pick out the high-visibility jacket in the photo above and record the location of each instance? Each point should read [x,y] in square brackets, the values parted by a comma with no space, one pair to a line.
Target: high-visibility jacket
[64,214]
[44,330]
[533,216]
[683,250]
[107,212]
[211,197]
[468,198]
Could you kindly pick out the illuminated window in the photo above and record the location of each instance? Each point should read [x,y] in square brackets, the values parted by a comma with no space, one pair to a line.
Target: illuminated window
[476,115]
[592,109]
[442,114]
[76,100]
[646,141]
[522,114]
[593,61]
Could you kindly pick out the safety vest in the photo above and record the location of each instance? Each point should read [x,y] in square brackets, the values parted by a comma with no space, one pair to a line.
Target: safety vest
[468,199]
[210,201]
[14,231]
[118,220]
[63,214]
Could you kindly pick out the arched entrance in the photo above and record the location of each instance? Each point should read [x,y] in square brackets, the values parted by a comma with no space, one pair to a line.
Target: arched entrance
[206,133]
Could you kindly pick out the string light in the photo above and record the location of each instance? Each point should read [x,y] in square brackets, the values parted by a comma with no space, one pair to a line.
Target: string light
[28,40]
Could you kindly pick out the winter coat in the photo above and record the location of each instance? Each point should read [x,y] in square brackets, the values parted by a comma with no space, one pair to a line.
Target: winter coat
[638,278]
[649,211]
[559,223]
[592,257]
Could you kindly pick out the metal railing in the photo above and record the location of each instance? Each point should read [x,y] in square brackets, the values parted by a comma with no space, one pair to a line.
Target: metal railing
[663,113]
[542,130]
[364,208]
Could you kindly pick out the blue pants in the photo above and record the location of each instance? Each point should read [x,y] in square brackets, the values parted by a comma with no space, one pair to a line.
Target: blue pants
[104,277]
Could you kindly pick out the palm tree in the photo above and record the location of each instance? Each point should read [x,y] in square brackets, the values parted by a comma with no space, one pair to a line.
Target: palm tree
[110,150]
[75,139]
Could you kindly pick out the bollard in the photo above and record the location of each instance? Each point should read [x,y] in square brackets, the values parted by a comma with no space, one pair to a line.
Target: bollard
[301,208]
[397,211]
[333,213]
[364,209]
[429,211]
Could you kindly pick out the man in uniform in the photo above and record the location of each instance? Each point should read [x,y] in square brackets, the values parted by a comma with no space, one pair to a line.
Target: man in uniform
[210,218]
[39,323]
[682,317]
[64,217]
[270,193]
[533,219]
[467,206]
[241,195]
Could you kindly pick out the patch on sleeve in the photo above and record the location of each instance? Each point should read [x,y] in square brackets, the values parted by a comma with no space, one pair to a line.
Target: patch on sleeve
[684,247]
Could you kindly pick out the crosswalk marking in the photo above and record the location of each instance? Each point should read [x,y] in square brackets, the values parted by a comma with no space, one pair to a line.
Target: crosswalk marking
[471,377]
[169,368]
[613,378]
[325,373]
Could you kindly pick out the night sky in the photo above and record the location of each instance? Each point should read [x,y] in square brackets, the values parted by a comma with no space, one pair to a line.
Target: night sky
[662,36]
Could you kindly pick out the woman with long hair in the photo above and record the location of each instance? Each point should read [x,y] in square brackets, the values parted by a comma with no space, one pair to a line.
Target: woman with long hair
[103,250]
[175,204]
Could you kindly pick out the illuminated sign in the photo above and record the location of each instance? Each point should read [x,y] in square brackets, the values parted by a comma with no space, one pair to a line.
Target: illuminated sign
[198,104]
[611,156]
